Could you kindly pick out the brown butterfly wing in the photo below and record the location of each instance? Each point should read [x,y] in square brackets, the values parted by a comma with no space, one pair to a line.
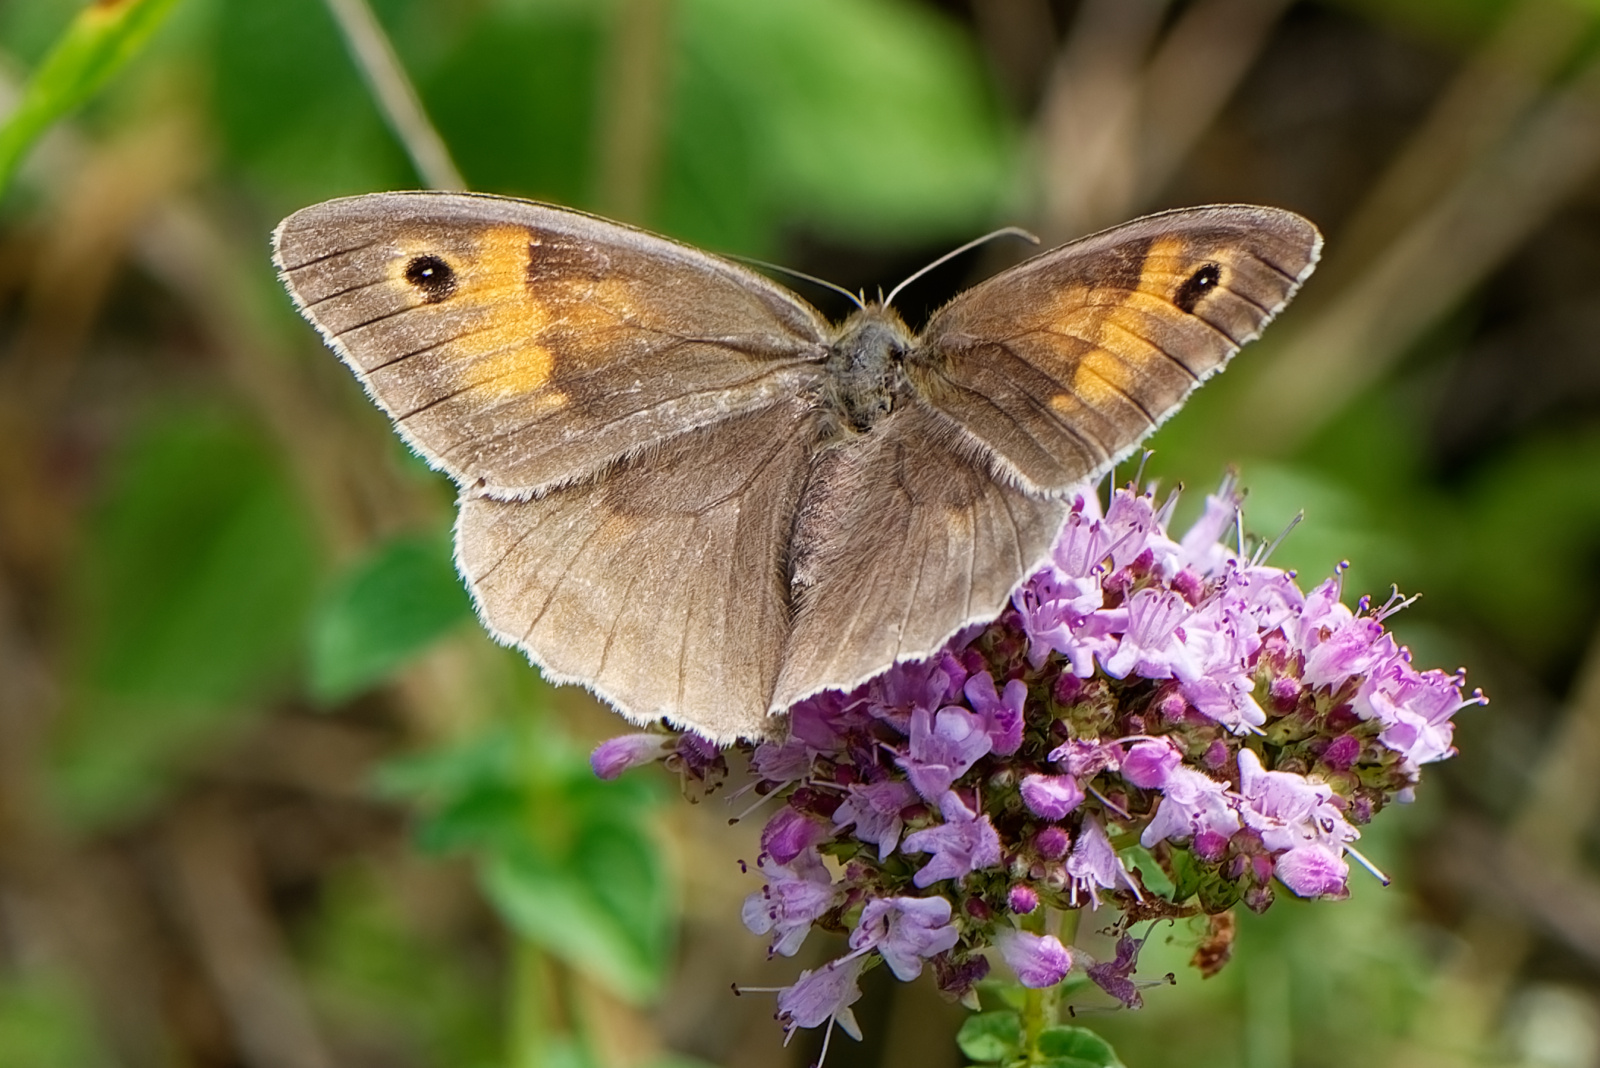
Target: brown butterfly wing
[1063,364]
[906,536]
[518,346]
[661,586]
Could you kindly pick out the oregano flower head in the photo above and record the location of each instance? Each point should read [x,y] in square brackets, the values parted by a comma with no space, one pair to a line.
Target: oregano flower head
[1177,697]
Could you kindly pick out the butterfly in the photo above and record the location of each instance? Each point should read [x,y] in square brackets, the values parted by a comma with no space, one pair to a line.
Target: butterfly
[683,488]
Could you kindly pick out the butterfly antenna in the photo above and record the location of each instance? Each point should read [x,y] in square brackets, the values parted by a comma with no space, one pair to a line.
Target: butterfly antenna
[813,279]
[1004,231]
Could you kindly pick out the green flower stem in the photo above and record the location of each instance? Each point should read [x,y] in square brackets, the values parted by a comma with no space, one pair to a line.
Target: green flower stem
[1067,927]
[1038,1006]
[1041,1009]
[96,45]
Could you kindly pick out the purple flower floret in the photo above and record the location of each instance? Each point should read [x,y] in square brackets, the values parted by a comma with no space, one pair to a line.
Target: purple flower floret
[790,833]
[1022,899]
[962,844]
[1040,960]
[876,811]
[1192,805]
[906,931]
[1052,797]
[1115,976]
[823,996]
[1150,763]
[1145,704]
[796,896]
[1093,865]
[616,755]
[1002,714]
[942,747]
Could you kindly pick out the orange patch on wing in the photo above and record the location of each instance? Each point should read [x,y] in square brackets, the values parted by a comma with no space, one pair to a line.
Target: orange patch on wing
[497,351]
[600,304]
[504,359]
[1102,380]
[1066,404]
[497,265]
[513,370]
[1142,304]
[1121,332]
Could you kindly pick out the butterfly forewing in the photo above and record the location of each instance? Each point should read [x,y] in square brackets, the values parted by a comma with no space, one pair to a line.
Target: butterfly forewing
[1063,364]
[519,346]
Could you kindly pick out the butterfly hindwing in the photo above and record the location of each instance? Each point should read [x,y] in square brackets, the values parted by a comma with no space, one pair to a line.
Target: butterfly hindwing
[661,586]
[914,538]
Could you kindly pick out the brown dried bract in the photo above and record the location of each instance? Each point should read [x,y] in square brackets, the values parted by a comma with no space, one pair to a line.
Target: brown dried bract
[1216,948]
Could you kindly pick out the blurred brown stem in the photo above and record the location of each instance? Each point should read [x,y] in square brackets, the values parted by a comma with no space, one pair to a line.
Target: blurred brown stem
[1478,191]
[1494,89]
[1088,118]
[1200,63]
[636,78]
[1126,103]
[219,894]
[396,97]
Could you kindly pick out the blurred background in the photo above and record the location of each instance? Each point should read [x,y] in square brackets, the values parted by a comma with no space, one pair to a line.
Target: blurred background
[268,797]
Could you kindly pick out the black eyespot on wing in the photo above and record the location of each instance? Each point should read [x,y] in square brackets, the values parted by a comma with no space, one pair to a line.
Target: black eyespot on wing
[434,278]
[1197,286]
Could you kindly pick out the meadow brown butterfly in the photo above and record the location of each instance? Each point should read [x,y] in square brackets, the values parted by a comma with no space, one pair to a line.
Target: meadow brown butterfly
[685,489]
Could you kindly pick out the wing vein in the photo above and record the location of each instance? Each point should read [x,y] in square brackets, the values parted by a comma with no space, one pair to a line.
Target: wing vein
[310,305]
[326,256]
[1292,279]
[596,426]
[555,587]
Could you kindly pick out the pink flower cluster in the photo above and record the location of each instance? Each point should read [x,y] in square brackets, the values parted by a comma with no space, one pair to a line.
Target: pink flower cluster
[1175,701]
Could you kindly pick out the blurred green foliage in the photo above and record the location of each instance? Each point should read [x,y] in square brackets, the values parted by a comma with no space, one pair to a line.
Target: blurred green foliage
[567,859]
[996,1038]
[196,579]
[382,611]
[862,118]
[369,968]
[44,1024]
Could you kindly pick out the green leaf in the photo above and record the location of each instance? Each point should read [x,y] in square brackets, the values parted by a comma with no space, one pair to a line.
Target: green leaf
[384,610]
[292,112]
[1076,1047]
[1186,874]
[96,45]
[1155,880]
[537,140]
[991,1036]
[449,772]
[1217,894]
